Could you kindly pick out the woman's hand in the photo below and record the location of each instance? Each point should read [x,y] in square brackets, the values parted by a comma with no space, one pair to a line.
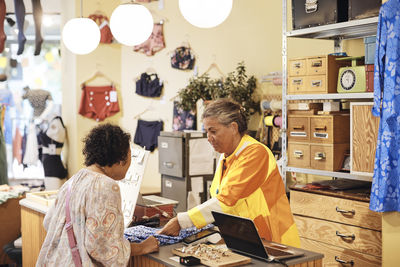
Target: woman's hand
[172,228]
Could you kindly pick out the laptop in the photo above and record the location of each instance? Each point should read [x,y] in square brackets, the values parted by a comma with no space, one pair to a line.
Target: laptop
[241,235]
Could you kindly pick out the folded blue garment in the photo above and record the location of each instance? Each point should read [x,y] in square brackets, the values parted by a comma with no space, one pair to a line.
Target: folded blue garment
[137,234]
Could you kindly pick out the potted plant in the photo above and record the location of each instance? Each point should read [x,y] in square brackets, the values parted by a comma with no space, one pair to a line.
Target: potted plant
[237,86]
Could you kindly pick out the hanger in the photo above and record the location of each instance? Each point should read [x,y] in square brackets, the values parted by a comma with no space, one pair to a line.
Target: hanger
[149,108]
[97,74]
[214,66]
[161,19]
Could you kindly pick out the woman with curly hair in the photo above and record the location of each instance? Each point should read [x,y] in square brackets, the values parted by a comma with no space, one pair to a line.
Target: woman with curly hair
[85,227]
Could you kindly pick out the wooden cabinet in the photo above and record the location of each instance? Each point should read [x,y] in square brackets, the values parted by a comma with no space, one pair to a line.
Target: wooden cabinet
[344,229]
[364,133]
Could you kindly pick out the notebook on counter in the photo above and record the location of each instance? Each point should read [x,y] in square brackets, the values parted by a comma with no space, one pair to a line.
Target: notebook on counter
[241,235]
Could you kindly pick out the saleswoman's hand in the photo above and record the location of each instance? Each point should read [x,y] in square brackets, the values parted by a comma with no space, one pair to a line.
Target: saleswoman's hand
[172,228]
[151,244]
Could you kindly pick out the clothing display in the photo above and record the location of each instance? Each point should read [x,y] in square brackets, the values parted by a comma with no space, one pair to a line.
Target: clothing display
[37,18]
[19,8]
[7,99]
[37,98]
[106,36]
[147,133]
[183,119]
[247,183]
[154,44]
[17,146]
[51,160]
[31,155]
[96,214]
[3,36]
[182,58]
[385,191]
[149,85]
[3,156]
[98,102]
[137,234]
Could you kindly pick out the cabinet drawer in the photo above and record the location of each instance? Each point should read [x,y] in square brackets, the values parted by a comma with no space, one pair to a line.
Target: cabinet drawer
[333,254]
[328,157]
[316,84]
[299,155]
[333,129]
[334,209]
[338,234]
[170,151]
[298,128]
[297,67]
[296,85]
[316,65]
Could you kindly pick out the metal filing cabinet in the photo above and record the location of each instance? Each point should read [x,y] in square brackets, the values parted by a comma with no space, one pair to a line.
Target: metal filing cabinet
[177,159]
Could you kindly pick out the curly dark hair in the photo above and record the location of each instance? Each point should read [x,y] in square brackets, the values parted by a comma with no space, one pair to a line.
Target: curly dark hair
[105,145]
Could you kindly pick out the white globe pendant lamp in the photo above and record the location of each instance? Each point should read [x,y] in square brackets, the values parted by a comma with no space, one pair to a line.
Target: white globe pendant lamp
[131,24]
[205,13]
[81,35]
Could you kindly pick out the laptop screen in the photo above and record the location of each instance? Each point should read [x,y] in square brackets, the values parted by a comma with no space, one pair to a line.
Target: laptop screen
[240,234]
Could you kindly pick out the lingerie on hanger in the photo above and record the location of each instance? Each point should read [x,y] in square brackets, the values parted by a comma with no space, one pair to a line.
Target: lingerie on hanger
[149,85]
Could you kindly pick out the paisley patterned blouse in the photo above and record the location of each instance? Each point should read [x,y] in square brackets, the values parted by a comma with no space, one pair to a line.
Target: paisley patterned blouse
[98,223]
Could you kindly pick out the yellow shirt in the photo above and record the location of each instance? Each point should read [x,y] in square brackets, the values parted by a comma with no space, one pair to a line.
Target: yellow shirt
[251,187]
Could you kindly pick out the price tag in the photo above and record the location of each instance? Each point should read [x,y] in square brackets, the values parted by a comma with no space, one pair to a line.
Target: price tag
[113,96]
[52,149]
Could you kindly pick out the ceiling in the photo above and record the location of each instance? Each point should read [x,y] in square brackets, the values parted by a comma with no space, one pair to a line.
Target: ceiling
[49,6]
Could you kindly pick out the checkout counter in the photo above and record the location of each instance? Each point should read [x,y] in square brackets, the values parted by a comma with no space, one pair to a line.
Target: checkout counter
[33,235]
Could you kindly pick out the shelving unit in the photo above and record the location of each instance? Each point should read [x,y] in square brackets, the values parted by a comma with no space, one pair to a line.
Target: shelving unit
[337,32]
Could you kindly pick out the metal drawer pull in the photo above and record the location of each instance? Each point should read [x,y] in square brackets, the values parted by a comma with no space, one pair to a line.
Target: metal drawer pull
[352,236]
[316,63]
[353,212]
[316,83]
[319,156]
[311,6]
[169,165]
[351,262]
[320,128]
[298,153]
[298,81]
[298,127]
[297,65]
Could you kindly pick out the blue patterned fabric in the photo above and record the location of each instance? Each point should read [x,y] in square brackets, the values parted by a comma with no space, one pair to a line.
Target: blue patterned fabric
[385,191]
[137,234]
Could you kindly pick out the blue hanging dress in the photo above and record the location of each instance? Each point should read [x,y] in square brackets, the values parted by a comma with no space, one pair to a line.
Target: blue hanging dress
[385,191]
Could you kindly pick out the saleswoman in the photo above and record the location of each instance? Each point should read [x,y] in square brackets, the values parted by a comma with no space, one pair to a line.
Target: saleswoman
[246,183]
[94,208]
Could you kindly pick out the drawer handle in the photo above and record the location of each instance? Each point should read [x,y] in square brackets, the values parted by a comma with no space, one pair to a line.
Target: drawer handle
[298,127]
[320,128]
[316,83]
[297,81]
[351,262]
[352,236]
[297,65]
[319,156]
[353,212]
[169,165]
[317,63]
[298,153]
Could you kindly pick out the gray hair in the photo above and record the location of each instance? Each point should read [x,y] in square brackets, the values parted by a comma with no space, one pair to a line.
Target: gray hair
[227,111]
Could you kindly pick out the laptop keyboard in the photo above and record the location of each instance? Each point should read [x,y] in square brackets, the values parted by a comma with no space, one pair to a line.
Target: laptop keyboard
[276,252]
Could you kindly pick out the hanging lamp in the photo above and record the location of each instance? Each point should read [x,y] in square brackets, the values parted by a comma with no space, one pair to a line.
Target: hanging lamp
[205,13]
[131,23]
[81,35]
